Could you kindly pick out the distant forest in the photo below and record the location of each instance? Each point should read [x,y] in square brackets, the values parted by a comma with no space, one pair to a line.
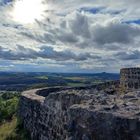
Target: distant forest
[12,81]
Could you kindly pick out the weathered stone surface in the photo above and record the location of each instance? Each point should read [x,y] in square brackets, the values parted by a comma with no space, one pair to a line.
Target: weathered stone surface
[130,78]
[91,113]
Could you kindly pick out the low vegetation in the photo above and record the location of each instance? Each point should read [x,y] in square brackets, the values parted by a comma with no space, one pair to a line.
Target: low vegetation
[10,126]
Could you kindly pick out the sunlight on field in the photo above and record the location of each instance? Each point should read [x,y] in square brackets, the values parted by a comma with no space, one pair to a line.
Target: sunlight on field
[42,77]
[76,78]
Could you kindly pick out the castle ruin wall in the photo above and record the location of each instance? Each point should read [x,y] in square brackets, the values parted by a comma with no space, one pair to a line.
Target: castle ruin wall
[130,78]
[90,113]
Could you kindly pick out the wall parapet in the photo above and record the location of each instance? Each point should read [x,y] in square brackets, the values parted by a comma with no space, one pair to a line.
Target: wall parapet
[81,113]
[130,78]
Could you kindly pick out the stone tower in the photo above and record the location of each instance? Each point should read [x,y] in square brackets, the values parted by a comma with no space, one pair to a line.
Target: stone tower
[130,78]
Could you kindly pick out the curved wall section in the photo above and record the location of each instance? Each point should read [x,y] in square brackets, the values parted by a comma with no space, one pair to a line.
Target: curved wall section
[83,113]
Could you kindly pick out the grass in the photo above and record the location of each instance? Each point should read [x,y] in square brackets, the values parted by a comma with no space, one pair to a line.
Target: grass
[13,130]
[80,79]
[75,84]
[76,78]
[7,129]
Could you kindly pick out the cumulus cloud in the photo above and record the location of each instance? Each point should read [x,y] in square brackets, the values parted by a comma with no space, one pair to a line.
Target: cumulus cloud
[80,30]
[93,35]
[22,53]
[115,33]
[133,55]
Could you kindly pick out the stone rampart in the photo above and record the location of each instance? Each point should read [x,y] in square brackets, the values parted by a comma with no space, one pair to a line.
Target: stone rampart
[130,78]
[84,113]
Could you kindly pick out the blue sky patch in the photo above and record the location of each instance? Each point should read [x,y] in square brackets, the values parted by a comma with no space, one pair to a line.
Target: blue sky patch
[93,10]
[3,2]
[132,21]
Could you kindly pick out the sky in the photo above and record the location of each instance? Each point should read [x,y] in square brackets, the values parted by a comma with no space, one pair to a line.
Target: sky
[77,36]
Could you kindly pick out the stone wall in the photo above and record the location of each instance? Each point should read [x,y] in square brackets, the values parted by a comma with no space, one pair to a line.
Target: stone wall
[47,118]
[84,113]
[130,78]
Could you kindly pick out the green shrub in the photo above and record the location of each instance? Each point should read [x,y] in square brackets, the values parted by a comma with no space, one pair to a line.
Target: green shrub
[10,127]
[8,108]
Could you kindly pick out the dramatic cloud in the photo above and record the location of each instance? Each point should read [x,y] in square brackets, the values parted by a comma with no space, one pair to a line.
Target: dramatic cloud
[22,53]
[79,35]
[115,33]
[133,55]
